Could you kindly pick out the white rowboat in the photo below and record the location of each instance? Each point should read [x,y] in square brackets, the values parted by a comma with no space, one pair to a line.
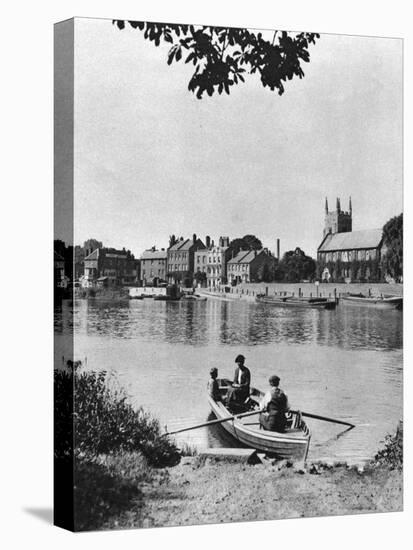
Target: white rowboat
[293,444]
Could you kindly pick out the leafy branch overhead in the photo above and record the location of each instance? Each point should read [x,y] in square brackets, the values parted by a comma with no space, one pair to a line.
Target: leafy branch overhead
[222,57]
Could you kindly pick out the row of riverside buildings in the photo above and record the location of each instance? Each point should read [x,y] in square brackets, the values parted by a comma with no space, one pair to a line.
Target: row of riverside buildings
[192,261]
[187,262]
[342,256]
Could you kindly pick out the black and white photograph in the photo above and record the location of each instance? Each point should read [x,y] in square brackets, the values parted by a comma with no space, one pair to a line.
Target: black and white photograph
[228,274]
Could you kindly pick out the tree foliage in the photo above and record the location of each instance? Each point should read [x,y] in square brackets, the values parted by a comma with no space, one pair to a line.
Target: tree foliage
[296,266]
[247,242]
[102,421]
[223,56]
[393,241]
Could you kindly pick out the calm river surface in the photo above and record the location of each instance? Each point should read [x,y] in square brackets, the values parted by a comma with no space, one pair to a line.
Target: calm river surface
[346,364]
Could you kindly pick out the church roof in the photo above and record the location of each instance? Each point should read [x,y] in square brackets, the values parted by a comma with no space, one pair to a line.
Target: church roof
[351,240]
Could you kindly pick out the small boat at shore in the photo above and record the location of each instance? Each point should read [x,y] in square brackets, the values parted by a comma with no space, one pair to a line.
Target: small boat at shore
[382,302]
[293,444]
[293,301]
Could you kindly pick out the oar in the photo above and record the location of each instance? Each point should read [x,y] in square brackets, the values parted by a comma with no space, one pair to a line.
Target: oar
[210,422]
[326,418]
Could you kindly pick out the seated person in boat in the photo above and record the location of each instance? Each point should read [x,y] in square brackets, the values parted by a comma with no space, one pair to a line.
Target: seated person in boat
[213,387]
[274,407]
[240,389]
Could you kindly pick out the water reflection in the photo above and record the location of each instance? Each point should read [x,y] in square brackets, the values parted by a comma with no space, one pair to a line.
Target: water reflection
[198,323]
[344,364]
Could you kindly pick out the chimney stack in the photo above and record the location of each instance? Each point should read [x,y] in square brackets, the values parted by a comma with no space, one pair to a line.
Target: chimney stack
[208,241]
[278,249]
[194,238]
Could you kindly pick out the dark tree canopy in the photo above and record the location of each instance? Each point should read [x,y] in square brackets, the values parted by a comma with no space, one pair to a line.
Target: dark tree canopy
[393,242]
[223,56]
[296,266]
[248,242]
[92,244]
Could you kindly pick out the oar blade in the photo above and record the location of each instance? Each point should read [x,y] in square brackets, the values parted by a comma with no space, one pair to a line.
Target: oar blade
[327,419]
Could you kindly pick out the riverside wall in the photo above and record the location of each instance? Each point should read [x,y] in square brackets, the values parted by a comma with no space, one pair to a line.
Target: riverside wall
[248,291]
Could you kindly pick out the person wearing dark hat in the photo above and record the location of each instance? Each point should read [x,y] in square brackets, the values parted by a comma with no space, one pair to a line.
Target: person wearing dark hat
[213,387]
[240,389]
[274,406]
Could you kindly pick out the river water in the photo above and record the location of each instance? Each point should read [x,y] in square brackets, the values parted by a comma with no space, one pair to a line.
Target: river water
[345,364]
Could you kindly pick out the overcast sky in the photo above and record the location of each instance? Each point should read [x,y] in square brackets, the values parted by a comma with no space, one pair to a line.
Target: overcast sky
[152,160]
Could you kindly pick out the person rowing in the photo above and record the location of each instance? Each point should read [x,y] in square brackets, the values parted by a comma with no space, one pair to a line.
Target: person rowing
[274,406]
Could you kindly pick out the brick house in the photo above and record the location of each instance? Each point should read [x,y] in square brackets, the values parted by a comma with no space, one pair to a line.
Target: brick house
[181,260]
[110,267]
[154,266]
[250,266]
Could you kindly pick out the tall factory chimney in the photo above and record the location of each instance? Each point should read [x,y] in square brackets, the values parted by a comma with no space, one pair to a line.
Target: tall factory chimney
[278,249]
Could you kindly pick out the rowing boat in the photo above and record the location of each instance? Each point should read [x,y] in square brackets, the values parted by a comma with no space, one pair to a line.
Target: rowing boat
[383,302]
[292,301]
[293,444]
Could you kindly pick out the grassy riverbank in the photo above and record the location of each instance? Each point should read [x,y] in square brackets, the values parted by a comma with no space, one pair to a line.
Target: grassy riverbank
[198,491]
[127,474]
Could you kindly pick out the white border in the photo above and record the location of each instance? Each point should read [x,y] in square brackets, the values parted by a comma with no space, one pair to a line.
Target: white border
[26,270]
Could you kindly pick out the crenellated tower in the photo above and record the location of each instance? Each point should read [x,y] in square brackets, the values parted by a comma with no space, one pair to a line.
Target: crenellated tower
[337,221]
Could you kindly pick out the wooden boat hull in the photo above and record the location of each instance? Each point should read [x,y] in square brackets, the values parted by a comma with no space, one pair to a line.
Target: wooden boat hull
[393,302]
[296,302]
[291,445]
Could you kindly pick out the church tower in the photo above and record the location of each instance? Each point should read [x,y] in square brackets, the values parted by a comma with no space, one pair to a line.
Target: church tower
[337,221]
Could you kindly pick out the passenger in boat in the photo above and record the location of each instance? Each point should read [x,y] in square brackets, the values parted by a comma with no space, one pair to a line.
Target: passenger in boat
[274,407]
[240,389]
[213,387]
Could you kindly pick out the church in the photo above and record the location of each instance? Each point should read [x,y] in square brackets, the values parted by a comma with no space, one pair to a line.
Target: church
[346,256]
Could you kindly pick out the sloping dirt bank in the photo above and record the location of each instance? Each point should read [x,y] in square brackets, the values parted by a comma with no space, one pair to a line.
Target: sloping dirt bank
[217,493]
[200,491]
